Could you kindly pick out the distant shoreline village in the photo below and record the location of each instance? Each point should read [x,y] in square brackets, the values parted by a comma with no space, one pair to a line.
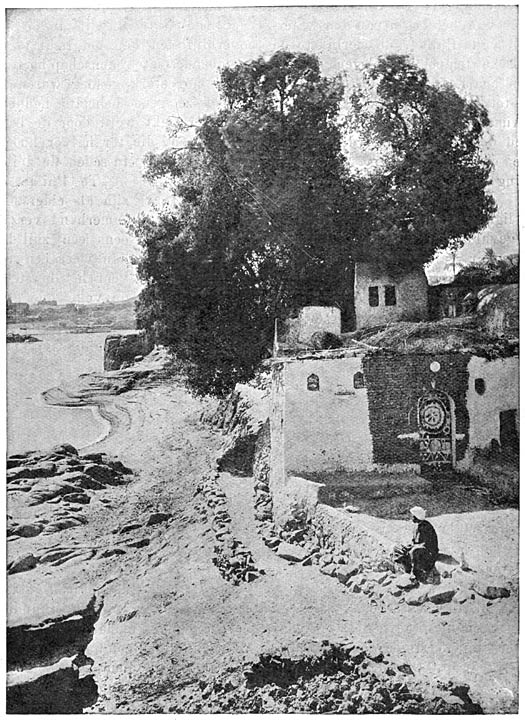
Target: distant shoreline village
[75,317]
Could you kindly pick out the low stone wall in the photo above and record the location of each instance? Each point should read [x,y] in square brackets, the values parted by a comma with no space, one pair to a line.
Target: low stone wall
[334,528]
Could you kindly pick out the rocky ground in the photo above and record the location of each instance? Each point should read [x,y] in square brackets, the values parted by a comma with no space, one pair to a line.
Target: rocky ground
[160,591]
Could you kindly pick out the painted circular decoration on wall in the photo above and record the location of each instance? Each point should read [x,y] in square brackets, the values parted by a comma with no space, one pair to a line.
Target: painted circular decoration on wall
[433,415]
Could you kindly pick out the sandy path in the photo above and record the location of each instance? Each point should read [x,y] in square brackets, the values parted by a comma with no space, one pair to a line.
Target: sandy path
[169,620]
[478,647]
[239,492]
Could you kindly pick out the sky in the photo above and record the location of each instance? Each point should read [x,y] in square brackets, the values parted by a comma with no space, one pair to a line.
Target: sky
[90,91]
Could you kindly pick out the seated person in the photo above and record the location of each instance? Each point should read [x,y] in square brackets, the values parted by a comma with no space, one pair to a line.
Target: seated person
[419,557]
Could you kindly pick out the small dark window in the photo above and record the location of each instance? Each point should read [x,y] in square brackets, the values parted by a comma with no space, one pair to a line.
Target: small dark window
[312,382]
[390,294]
[373,296]
[479,386]
[359,380]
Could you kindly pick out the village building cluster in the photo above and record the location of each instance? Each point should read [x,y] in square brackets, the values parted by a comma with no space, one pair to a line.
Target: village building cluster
[402,393]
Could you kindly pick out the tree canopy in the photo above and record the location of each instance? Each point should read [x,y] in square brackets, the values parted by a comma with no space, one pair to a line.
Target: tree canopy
[430,186]
[492,269]
[268,215]
[261,222]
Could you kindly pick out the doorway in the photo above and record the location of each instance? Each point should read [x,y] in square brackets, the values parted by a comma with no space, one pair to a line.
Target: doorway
[508,432]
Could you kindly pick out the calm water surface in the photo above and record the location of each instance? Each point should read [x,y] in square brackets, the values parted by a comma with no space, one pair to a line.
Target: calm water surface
[35,367]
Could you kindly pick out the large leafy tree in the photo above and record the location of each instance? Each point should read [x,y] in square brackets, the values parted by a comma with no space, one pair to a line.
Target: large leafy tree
[491,269]
[268,216]
[260,224]
[428,185]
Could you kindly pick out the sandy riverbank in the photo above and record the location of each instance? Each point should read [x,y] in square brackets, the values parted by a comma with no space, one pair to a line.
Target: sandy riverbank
[169,623]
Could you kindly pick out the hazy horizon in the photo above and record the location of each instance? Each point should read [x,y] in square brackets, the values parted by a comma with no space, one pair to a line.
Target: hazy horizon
[89,93]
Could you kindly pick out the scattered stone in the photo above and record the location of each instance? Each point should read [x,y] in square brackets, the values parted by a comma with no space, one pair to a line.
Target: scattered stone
[405,669]
[404,582]
[491,589]
[142,542]
[22,564]
[129,527]
[441,594]
[464,564]
[234,562]
[444,570]
[158,517]
[80,498]
[417,596]
[291,552]
[110,552]
[345,572]
[330,569]
[462,596]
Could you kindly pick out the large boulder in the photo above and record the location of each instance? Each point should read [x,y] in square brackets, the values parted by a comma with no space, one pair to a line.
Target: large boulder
[45,690]
[22,563]
[25,530]
[47,620]
[38,470]
[119,349]
[52,488]
[64,449]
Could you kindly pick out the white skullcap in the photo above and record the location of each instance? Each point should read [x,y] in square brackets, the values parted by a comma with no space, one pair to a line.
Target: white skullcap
[418,512]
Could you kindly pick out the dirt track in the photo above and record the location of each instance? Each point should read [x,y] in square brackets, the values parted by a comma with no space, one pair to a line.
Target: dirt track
[170,623]
[169,620]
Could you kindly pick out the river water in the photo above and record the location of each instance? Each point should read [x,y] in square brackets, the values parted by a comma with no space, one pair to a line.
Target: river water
[35,367]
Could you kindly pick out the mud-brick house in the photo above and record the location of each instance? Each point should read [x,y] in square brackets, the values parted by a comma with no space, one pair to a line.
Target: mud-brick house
[349,411]
[387,295]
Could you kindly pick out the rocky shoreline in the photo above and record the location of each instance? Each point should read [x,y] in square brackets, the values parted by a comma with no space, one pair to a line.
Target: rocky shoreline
[52,613]
[169,589]
[47,493]
[95,388]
